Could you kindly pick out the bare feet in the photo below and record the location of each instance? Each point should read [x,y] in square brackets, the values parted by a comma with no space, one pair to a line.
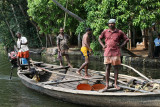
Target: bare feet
[117,87]
[104,90]
[70,65]
[78,72]
[87,76]
[61,64]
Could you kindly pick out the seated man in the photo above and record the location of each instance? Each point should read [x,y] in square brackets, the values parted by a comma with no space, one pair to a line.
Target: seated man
[23,49]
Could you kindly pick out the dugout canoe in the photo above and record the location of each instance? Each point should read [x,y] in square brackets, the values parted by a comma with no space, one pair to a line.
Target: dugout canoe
[61,83]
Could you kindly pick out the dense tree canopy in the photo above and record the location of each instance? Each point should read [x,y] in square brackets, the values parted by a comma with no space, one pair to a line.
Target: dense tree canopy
[34,17]
[14,18]
[50,17]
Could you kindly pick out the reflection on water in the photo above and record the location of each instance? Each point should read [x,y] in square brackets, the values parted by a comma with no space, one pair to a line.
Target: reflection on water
[14,94]
[97,64]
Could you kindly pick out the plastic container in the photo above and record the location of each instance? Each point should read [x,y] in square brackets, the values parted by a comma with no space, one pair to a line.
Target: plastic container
[97,87]
[84,87]
[24,61]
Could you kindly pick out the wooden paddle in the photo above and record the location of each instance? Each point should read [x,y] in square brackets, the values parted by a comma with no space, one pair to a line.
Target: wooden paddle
[68,74]
[63,67]
[53,82]
[11,72]
[35,63]
[15,48]
[125,87]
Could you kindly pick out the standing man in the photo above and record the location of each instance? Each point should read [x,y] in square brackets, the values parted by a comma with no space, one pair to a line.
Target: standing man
[85,49]
[62,44]
[23,49]
[111,48]
[157,46]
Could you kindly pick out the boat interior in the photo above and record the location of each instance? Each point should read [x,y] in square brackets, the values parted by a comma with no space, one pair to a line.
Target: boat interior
[65,77]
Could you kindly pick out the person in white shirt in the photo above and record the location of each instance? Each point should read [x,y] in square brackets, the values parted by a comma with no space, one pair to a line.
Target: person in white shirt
[23,48]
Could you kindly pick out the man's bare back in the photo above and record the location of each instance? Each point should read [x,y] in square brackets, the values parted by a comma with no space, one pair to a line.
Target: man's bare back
[85,41]
[84,50]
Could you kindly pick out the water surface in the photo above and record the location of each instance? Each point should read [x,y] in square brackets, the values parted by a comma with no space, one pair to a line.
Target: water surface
[14,94]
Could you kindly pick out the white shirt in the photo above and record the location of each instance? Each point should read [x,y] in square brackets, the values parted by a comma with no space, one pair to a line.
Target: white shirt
[22,48]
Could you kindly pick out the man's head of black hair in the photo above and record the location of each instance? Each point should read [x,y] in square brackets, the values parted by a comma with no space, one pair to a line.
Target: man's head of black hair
[88,29]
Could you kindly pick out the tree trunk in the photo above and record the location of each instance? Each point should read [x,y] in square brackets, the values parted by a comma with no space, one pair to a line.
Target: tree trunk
[146,35]
[7,24]
[143,36]
[50,39]
[46,42]
[12,34]
[67,11]
[79,40]
[151,44]
[65,17]
[15,16]
[129,36]
[134,37]
[35,25]
[22,10]
[71,14]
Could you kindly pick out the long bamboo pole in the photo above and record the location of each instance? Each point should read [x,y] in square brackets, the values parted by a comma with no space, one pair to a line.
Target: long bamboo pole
[137,72]
[67,11]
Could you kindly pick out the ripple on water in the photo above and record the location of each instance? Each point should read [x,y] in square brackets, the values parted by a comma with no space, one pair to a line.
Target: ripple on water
[14,94]
[7,77]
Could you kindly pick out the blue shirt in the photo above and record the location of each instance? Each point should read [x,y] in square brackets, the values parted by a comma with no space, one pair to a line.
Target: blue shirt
[157,42]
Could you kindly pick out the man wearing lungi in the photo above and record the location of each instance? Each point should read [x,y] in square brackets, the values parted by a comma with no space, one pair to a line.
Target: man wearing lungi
[113,37]
[62,44]
[23,48]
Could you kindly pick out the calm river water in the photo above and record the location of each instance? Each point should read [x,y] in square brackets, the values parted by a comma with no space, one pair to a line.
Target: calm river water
[14,94]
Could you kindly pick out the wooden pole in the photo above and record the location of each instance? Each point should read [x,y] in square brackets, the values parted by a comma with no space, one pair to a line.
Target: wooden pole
[67,11]
[65,74]
[137,72]
[52,82]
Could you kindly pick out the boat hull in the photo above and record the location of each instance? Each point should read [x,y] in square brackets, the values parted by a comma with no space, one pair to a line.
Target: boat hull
[93,98]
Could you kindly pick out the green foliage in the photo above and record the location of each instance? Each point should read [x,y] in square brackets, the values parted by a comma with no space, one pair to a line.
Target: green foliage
[126,12]
[17,20]
[96,13]
[95,45]
[50,17]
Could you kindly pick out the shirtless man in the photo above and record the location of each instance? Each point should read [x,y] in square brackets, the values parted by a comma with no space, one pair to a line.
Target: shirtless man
[112,46]
[85,50]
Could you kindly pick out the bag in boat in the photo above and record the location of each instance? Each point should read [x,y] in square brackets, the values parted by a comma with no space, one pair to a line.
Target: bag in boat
[24,61]
[13,58]
[13,55]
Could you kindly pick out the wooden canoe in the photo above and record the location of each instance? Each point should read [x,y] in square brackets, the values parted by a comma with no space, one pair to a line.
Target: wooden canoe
[61,83]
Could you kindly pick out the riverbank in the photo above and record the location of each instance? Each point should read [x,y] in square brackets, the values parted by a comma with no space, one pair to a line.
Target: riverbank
[140,59]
